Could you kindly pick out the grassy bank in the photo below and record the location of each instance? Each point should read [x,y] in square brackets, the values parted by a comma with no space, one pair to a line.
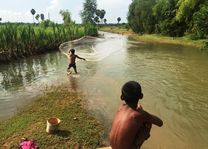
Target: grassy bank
[155,38]
[78,129]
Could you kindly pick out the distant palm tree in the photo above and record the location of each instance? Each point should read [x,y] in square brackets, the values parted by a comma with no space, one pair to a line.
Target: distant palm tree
[37,17]
[118,19]
[102,15]
[105,21]
[0,19]
[96,19]
[66,16]
[42,17]
[33,13]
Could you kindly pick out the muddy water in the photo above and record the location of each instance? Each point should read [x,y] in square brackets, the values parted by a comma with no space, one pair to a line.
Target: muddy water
[174,80]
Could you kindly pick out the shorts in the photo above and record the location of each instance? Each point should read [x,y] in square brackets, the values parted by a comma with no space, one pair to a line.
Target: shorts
[72,65]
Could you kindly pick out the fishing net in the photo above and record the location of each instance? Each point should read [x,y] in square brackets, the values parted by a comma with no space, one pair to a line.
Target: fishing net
[93,48]
[86,40]
[84,47]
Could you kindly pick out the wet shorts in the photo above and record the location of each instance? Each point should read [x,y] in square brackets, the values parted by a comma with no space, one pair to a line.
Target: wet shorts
[72,65]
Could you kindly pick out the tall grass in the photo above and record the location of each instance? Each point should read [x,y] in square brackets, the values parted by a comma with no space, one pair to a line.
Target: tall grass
[20,40]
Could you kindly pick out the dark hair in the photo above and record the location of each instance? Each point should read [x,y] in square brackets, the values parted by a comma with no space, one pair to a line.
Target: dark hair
[131,92]
[72,51]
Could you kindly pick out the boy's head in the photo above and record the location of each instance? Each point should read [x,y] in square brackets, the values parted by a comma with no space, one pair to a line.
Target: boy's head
[131,92]
[72,51]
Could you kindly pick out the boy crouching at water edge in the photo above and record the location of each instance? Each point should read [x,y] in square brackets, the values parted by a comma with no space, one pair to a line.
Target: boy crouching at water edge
[131,125]
[72,60]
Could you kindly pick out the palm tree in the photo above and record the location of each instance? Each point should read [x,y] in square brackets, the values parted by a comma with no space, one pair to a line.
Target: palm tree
[118,19]
[42,17]
[33,13]
[105,21]
[66,16]
[96,19]
[37,17]
[0,19]
[102,14]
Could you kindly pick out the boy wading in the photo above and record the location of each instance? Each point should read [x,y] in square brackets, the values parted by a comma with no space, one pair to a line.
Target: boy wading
[72,60]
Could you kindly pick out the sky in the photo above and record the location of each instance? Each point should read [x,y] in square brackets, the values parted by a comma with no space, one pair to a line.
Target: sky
[19,10]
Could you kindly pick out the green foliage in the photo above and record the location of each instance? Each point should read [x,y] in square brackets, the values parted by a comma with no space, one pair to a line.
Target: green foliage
[102,14]
[96,20]
[66,17]
[47,23]
[200,27]
[166,23]
[141,17]
[24,40]
[90,29]
[99,15]
[169,17]
[89,11]
[186,9]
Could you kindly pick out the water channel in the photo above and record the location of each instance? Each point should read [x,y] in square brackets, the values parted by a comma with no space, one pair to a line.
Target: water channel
[174,80]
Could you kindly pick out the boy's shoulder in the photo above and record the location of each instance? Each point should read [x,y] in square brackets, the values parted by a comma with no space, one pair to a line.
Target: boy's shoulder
[134,113]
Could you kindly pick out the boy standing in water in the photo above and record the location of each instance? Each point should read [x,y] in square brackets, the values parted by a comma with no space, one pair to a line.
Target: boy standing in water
[72,60]
[131,125]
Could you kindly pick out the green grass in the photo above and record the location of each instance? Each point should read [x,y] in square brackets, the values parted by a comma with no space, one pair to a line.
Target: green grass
[156,38]
[20,40]
[83,132]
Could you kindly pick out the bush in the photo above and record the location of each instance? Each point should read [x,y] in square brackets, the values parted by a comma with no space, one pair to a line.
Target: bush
[200,27]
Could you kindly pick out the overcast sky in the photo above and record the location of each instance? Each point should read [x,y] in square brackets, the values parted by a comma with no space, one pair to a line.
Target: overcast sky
[19,10]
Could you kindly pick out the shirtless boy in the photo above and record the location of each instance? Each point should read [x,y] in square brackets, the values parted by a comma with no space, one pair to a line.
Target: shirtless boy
[72,60]
[131,125]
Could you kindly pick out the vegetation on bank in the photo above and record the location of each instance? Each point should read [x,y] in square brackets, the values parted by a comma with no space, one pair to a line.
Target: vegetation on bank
[20,40]
[77,128]
[173,18]
[157,38]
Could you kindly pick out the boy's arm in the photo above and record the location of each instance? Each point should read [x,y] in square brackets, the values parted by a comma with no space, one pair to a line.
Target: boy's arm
[80,57]
[66,54]
[153,119]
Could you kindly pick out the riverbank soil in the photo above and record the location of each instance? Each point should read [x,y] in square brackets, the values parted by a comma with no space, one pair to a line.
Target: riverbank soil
[78,129]
[156,38]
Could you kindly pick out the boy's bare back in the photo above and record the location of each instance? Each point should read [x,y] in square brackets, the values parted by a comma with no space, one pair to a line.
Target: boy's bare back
[125,127]
[131,125]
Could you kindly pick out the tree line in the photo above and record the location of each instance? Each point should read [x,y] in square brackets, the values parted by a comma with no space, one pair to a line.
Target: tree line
[170,17]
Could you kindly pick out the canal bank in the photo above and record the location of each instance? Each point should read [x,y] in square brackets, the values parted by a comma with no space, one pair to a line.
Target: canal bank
[201,44]
[78,129]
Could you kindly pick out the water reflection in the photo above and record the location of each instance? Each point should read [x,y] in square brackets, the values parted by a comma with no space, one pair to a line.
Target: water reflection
[73,82]
[22,80]
[18,74]
[12,76]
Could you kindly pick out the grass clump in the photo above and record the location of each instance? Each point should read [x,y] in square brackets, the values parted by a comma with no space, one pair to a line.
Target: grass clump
[78,129]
